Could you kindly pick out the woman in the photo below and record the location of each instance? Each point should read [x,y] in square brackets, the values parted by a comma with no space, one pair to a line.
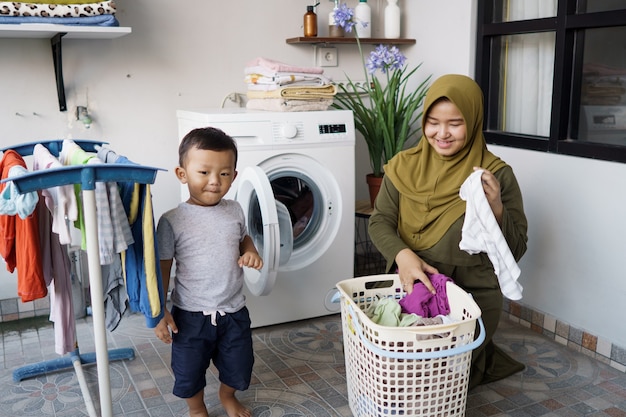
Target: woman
[418,214]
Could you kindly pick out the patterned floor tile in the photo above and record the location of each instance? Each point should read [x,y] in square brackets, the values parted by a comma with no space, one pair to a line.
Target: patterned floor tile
[299,371]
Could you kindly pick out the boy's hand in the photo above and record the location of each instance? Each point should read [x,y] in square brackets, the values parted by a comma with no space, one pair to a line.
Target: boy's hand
[162,330]
[251,260]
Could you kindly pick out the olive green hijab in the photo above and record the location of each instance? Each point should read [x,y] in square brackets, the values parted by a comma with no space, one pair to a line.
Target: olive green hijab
[429,183]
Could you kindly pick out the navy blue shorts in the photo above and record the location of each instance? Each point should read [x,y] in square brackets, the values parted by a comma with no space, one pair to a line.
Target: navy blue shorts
[228,345]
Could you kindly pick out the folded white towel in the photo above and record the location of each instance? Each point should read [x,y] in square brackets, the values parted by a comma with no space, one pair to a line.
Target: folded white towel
[481,233]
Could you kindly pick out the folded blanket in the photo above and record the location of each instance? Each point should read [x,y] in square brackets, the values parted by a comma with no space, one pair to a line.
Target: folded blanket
[280,104]
[282,67]
[100,20]
[60,1]
[277,79]
[297,92]
[56,10]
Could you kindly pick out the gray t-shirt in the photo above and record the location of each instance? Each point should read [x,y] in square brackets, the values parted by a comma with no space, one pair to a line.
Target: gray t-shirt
[204,242]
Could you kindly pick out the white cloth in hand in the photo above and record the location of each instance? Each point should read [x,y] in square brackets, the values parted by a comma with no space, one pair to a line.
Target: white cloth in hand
[481,233]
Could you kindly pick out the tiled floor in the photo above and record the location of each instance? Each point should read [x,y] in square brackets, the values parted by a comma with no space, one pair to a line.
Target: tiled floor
[299,371]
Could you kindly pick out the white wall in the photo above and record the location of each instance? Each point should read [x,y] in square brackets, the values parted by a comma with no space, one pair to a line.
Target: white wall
[573,269]
[193,56]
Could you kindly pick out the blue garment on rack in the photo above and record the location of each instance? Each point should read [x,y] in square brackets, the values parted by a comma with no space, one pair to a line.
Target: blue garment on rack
[12,202]
[144,284]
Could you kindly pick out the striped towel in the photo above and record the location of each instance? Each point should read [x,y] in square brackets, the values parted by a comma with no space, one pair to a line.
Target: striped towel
[481,233]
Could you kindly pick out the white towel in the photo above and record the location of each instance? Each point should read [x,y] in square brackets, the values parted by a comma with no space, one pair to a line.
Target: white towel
[481,233]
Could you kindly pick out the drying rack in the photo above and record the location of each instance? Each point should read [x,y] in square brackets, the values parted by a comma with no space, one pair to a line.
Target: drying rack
[87,176]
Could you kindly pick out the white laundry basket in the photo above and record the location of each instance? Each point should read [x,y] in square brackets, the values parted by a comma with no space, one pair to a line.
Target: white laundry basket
[406,371]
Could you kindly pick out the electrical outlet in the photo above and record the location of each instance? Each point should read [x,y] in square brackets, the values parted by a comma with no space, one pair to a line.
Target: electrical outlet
[326,57]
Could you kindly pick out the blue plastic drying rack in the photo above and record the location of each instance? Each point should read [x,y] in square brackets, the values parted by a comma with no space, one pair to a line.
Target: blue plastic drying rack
[87,176]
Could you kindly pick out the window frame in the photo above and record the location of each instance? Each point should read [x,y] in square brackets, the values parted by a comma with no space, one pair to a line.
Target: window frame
[569,29]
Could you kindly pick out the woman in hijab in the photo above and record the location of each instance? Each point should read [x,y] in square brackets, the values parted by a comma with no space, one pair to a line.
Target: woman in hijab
[418,214]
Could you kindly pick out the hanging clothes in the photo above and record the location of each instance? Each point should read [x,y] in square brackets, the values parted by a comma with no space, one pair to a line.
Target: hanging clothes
[58,276]
[60,200]
[114,234]
[57,209]
[19,241]
[140,260]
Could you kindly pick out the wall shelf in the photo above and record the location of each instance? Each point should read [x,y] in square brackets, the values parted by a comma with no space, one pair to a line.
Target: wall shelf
[55,32]
[348,40]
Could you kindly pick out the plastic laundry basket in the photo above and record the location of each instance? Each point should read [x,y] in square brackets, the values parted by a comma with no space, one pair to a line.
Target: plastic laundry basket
[407,371]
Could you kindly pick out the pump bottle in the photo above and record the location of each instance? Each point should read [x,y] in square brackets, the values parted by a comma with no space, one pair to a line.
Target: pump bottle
[310,22]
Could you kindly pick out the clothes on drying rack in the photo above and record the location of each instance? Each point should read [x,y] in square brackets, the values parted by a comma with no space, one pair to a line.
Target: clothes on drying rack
[19,241]
[143,278]
[130,272]
[58,277]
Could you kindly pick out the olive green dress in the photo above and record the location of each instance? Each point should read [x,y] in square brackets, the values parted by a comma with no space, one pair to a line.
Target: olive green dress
[419,207]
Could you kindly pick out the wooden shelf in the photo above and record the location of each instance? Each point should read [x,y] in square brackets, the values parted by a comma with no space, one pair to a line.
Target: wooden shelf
[55,33]
[348,40]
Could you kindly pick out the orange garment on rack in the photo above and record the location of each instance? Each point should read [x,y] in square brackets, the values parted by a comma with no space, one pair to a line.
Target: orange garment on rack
[19,242]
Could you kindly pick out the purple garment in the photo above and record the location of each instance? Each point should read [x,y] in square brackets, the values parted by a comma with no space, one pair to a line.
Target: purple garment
[425,304]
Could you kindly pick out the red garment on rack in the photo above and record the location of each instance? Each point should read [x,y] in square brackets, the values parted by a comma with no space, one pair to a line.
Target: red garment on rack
[19,242]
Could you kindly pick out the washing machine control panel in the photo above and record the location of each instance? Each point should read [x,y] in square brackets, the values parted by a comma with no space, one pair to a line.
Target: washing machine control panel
[333,128]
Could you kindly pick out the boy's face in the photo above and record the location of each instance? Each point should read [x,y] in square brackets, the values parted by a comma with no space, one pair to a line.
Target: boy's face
[208,175]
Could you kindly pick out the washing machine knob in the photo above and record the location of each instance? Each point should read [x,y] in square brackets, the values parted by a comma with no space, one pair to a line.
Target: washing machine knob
[289,131]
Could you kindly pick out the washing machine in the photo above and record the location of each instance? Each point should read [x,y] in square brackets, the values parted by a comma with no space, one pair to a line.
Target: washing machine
[295,183]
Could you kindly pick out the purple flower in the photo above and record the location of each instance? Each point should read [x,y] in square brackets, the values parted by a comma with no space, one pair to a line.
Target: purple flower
[344,17]
[385,58]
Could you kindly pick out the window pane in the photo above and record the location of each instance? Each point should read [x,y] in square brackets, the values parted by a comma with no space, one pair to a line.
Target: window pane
[590,6]
[525,91]
[603,90]
[512,10]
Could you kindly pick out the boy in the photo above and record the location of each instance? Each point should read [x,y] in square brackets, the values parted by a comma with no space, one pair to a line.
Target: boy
[206,236]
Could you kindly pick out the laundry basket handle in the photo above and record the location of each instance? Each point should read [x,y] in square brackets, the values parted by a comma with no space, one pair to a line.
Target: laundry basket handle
[418,355]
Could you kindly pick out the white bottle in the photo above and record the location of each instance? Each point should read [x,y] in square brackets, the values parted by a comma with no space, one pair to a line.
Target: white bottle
[392,20]
[363,18]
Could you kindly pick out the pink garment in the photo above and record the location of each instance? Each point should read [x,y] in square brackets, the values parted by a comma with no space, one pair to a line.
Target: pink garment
[425,304]
[281,67]
[57,274]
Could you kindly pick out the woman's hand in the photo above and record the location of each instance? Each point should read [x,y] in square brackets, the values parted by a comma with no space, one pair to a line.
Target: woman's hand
[491,186]
[162,330]
[412,268]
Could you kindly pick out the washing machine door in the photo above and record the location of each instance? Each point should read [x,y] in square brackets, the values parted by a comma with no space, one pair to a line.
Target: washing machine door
[257,200]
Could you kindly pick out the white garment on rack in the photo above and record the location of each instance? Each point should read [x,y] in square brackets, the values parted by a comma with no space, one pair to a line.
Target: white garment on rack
[60,200]
[481,233]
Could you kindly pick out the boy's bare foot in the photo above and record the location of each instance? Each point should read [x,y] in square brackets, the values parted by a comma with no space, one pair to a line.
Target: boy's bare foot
[231,404]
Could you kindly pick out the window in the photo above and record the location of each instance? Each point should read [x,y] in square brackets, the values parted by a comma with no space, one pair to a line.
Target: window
[554,75]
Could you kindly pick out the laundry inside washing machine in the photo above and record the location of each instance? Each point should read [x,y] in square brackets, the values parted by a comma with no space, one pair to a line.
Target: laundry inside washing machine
[297,207]
[284,225]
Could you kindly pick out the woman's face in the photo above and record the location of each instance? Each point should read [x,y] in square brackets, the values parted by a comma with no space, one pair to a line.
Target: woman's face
[445,128]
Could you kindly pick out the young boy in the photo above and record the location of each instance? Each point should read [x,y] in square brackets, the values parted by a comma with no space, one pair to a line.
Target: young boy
[206,236]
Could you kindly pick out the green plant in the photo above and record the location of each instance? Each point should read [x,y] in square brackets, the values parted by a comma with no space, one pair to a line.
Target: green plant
[386,115]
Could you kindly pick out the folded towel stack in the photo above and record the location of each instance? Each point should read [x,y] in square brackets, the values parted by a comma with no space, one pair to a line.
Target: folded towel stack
[61,12]
[276,86]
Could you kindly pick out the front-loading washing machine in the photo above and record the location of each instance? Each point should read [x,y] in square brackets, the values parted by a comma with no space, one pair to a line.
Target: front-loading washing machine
[295,182]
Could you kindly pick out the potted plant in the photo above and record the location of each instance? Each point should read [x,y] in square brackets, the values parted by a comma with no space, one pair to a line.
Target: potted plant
[386,114]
